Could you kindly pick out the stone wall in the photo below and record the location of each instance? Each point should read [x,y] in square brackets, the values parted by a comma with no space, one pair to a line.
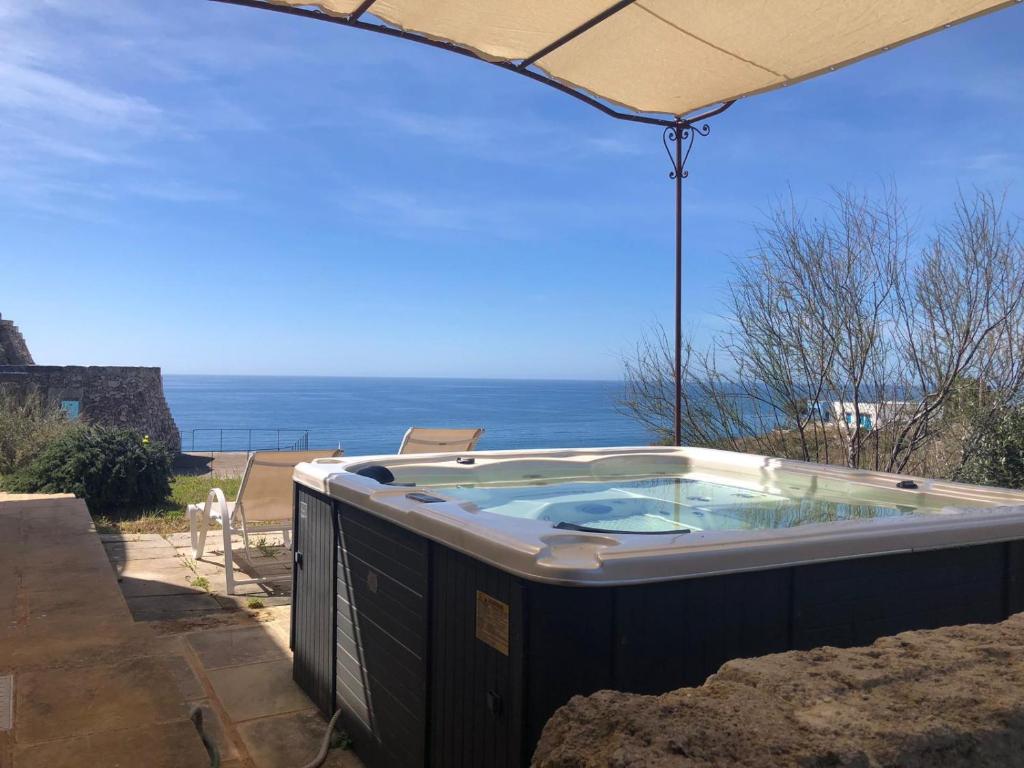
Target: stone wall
[13,349]
[113,396]
[944,698]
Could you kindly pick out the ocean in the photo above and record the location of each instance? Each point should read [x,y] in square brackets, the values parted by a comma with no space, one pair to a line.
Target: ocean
[370,415]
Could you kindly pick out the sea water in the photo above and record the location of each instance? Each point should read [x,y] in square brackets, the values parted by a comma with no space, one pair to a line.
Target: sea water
[370,415]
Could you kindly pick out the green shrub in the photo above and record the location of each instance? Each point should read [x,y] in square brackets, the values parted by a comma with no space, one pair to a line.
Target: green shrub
[28,421]
[994,452]
[112,469]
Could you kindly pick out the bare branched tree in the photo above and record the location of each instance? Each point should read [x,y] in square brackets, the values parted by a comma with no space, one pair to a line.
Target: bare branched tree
[844,345]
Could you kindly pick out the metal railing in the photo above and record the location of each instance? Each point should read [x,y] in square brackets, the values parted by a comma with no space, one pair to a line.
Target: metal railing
[210,440]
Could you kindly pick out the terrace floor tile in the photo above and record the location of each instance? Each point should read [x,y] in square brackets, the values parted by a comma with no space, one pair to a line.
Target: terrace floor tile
[169,745]
[214,729]
[66,642]
[158,583]
[127,551]
[172,606]
[50,559]
[258,690]
[137,540]
[232,647]
[84,598]
[56,703]
[289,740]
[181,673]
[92,577]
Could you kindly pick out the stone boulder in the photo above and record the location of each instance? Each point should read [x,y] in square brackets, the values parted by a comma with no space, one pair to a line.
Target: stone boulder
[926,699]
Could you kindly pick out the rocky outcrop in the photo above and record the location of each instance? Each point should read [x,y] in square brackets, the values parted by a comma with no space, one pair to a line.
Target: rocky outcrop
[13,349]
[927,699]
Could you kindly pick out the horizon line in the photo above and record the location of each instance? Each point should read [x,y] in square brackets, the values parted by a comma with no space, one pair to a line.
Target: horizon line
[367,376]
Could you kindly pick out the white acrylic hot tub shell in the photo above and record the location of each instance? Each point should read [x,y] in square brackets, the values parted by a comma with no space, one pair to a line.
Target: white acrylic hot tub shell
[535,550]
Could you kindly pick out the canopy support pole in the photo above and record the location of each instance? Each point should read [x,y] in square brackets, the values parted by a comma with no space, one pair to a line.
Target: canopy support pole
[677,372]
[680,132]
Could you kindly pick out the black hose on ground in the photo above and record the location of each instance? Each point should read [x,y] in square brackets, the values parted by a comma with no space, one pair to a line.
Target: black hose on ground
[196,716]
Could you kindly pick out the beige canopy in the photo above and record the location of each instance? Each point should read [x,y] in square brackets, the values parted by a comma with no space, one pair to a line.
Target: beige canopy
[655,61]
[670,56]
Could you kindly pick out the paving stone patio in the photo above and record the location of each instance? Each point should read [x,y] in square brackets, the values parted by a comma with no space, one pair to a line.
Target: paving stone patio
[111,643]
[162,582]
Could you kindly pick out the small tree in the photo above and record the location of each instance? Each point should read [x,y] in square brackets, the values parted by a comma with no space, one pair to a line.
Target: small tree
[995,452]
[842,309]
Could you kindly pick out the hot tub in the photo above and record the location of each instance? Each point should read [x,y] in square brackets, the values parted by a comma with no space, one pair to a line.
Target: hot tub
[451,608]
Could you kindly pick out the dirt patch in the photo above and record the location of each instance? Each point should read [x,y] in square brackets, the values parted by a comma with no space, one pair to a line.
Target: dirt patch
[927,699]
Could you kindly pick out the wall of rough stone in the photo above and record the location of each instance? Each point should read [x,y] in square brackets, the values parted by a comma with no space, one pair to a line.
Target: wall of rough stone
[115,396]
[13,349]
[943,698]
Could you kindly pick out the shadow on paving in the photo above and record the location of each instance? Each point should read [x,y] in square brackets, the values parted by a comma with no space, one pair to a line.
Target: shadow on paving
[162,582]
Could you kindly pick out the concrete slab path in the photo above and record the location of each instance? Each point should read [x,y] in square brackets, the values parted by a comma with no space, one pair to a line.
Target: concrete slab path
[110,644]
[90,686]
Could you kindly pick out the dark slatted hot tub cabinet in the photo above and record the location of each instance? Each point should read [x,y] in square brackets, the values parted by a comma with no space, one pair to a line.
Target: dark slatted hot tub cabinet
[360,625]
[382,637]
[439,659]
[312,627]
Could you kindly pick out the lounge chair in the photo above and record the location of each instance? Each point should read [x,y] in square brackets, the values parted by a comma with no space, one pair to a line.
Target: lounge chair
[431,440]
[264,504]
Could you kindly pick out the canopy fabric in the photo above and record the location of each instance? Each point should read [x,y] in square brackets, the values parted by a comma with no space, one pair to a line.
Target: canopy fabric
[672,56]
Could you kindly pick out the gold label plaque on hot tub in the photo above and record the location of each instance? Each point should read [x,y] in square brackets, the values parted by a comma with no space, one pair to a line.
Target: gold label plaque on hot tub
[492,622]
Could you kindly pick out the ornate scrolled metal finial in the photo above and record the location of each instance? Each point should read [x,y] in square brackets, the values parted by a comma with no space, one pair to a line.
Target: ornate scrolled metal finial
[682,131]
[668,137]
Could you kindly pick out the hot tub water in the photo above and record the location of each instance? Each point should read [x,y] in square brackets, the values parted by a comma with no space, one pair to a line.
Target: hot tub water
[664,504]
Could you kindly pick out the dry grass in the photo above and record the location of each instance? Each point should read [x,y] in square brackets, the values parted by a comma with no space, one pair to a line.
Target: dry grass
[163,523]
[168,517]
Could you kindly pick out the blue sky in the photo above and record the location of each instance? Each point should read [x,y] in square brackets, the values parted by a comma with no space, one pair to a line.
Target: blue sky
[215,189]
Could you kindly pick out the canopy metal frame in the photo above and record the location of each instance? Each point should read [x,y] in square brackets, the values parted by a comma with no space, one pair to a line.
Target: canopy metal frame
[679,131]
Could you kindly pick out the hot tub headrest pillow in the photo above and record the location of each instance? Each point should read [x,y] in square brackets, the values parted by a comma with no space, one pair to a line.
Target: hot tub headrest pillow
[377,472]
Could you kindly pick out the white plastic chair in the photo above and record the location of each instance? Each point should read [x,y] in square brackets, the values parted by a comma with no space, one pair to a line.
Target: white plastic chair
[263,504]
[439,440]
